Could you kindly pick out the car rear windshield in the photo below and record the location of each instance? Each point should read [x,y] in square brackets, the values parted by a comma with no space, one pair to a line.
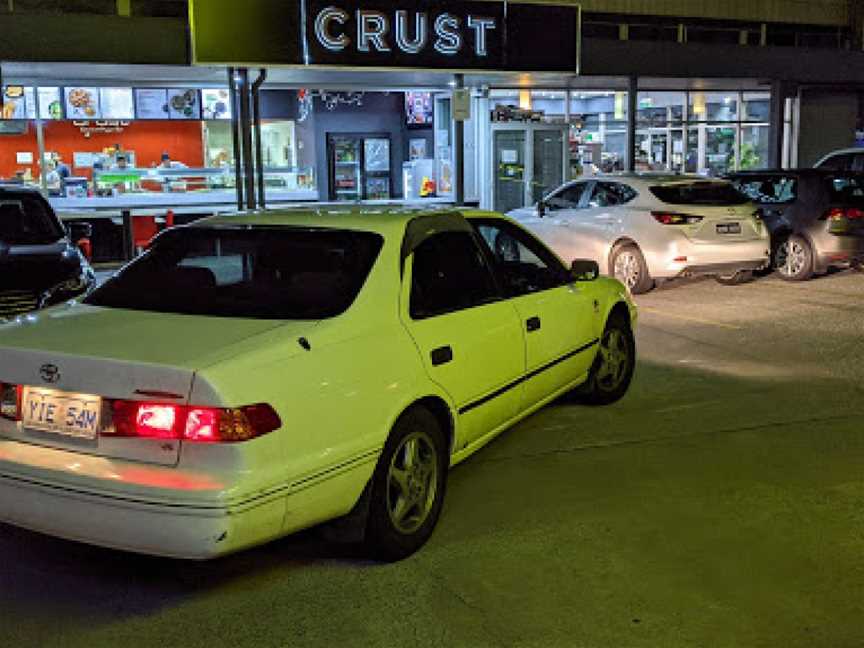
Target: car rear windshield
[699,193]
[847,189]
[260,273]
[26,220]
[768,189]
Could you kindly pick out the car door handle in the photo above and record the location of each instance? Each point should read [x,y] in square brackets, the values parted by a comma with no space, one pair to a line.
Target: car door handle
[533,324]
[441,356]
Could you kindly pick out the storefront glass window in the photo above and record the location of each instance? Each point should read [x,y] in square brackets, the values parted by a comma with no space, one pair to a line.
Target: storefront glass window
[713,106]
[754,147]
[757,106]
[598,134]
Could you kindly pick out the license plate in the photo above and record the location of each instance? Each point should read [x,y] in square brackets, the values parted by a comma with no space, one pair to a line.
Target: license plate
[729,228]
[72,415]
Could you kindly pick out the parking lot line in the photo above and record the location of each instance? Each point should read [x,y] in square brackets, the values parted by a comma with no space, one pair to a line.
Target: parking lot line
[688,318]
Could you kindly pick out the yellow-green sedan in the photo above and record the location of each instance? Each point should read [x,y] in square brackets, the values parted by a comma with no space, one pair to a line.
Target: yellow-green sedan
[253,375]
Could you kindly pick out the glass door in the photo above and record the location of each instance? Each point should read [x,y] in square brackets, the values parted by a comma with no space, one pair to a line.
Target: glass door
[377,168]
[548,163]
[345,158]
[509,168]
[444,163]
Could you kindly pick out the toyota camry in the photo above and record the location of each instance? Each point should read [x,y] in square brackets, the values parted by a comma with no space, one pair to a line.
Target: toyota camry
[253,375]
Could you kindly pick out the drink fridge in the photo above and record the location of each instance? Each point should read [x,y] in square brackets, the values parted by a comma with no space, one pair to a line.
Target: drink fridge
[359,166]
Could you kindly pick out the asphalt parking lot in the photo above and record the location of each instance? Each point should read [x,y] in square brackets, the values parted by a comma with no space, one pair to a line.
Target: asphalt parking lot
[721,503]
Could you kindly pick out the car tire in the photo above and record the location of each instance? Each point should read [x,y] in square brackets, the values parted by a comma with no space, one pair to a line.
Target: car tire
[793,258]
[407,487]
[736,278]
[628,266]
[614,365]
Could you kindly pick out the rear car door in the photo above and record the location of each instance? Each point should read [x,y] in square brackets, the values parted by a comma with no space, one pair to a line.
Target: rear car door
[558,317]
[469,337]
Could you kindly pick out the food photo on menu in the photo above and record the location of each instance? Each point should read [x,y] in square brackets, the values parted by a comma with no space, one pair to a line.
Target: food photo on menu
[82,103]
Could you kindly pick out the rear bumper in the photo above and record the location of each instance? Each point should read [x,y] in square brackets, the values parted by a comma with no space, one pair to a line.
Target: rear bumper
[130,523]
[723,268]
[833,250]
[684,258]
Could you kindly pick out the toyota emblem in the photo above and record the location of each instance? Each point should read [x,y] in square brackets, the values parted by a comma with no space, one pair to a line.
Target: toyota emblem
[50,373]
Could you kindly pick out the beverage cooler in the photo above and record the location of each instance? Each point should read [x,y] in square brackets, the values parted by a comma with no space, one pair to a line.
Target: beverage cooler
[359,167]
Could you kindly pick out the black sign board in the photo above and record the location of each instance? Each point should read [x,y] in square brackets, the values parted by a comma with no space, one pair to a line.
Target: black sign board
[418,34]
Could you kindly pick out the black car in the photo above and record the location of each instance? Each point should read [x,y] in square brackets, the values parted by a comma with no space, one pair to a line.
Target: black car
[40,263]
[815,216]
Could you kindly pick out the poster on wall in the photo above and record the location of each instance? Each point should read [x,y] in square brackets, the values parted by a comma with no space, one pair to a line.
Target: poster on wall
[82,103]
[116,103]
[50,103]
[14,103]
[417,149]
[151,103]
[216,103]
[418,108]
[184,104]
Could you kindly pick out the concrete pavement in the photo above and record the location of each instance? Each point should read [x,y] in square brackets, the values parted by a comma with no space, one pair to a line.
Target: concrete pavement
[721,503]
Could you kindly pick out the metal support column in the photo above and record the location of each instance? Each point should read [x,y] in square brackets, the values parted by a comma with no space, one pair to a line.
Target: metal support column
[779,92]
[235,138]
[256,123]
[246,138]
[459,150]
[632,107]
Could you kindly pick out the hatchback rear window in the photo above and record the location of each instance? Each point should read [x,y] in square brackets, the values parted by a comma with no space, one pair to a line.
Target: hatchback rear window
[769,189]
[848,189]
[260,273]
[699,193]
[26,220]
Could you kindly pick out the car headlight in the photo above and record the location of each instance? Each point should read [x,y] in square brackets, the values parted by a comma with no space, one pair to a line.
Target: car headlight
[70,288]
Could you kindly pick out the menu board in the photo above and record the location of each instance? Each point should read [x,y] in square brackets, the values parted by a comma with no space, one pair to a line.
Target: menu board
[50,103]
[82,103]
[116,103]
[14,103]
[216,103]
[151,103]
[418,108]
[184,104]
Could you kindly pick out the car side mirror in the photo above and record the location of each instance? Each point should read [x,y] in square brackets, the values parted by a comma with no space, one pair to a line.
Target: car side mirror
[78,231]
[585,270]
[542,208]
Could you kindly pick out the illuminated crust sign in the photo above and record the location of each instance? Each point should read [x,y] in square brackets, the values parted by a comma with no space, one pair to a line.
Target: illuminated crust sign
[409,32]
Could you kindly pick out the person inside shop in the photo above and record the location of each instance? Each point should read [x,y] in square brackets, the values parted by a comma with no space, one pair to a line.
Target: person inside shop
[121,163]
[168,163]
[63,169]
[53,181]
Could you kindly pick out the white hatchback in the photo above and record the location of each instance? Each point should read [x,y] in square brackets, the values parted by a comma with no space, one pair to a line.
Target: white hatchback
[645,227]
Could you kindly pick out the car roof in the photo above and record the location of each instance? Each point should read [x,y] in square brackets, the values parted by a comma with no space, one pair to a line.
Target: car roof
[18,188]
[388,221]
[846,151]
[649,178]
[795,172]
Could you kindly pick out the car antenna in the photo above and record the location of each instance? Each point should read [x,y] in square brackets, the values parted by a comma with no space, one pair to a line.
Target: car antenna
[303,342]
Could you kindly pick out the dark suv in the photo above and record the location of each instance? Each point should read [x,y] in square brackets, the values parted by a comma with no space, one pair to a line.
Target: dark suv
[40,264]
[815,216]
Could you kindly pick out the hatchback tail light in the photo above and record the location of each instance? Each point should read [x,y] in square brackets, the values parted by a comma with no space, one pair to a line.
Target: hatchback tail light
[841,213]
[189,423]
[10,401]
[673,218]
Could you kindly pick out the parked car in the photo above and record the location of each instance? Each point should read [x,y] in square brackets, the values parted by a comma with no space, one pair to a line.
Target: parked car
[642,228]
[249,376]
[40,264]
[815,216]
[851,159]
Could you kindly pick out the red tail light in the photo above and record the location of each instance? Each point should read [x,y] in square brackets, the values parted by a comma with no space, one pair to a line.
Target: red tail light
[672,218]
[10,401]
[840,213]
[202,424]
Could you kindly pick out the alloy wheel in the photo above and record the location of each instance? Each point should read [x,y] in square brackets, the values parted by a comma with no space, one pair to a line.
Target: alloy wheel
[627,269]
[412,482]
[791,258]
[614,360]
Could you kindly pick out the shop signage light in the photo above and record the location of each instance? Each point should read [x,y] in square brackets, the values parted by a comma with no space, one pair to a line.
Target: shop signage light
[445,32]
[469,35]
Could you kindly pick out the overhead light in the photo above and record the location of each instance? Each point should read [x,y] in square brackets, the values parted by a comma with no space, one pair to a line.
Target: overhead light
[451,83]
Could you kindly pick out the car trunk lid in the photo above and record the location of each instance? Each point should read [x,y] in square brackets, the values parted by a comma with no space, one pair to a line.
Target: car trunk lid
[67,355]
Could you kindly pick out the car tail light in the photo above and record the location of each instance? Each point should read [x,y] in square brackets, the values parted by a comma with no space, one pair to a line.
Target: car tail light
[202,424]
[840,213]
[10,401]
[759,214]
[672,218]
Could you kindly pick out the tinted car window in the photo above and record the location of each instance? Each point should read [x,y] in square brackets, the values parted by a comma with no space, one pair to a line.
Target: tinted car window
[844,162]
[848,189]
[609,194]
[262,273]
[568,198]
[768,189]
[699,193]
[449,274]
[523,263]
[26,220]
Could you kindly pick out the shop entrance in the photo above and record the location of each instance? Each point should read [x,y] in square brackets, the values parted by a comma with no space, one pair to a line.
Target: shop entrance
[528,161]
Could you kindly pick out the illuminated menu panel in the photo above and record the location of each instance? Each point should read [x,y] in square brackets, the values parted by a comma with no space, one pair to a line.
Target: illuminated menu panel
[82,103]
[117,103]
[216,103]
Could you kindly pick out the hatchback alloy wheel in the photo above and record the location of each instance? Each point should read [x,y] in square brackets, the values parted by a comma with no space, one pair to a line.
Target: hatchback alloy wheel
[412,482]
[627,269]
[791,258]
